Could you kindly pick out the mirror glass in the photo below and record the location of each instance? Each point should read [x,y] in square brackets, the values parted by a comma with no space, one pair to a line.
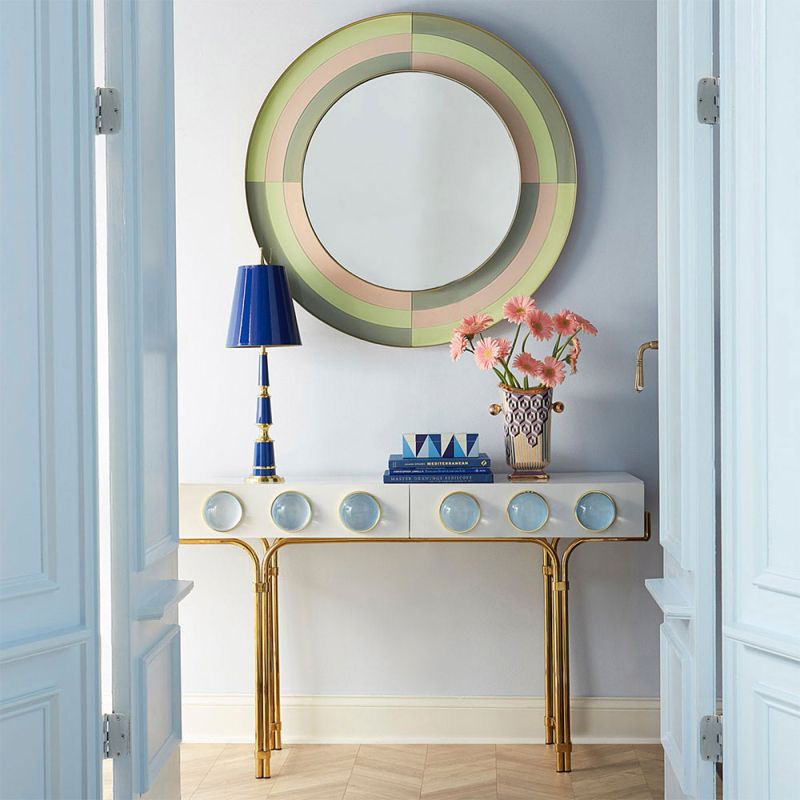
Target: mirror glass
[411,181]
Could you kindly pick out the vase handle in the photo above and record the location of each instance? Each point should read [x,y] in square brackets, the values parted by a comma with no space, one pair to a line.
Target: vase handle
[558,407]
[495,409]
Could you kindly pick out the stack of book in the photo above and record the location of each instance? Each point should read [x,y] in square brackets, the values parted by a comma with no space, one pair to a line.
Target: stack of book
[439,458]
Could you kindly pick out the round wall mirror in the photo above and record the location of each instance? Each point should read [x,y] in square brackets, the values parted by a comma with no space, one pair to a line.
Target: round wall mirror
[407,170]
[421,191]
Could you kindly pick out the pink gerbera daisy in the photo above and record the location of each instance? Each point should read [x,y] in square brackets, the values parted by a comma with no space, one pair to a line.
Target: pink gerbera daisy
[474,323]
[503,348]
[564,323]
[552,372]
[584,324]
[516,309]
[572,358]
[527,364]
[458,344]
[540,324]
[487,353]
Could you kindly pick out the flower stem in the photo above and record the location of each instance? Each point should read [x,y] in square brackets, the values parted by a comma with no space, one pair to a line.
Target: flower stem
[514,343]
[564,346]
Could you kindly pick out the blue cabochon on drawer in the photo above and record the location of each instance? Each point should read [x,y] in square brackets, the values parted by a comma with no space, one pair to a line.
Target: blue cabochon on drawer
[596,511]
[360,512]
[291,511]
[459,512]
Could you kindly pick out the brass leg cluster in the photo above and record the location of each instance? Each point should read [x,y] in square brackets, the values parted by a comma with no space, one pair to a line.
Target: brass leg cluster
[262,648]
[555,572]
[271,661]
[549,696]
[556,652]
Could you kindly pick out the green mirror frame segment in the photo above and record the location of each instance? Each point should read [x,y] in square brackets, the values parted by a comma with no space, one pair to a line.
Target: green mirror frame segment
[368,49]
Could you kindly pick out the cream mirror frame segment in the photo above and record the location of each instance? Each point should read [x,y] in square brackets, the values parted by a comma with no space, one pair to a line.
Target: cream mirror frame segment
[295,108]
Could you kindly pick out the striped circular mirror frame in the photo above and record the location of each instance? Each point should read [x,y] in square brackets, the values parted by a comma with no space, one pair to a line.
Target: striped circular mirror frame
[368,49]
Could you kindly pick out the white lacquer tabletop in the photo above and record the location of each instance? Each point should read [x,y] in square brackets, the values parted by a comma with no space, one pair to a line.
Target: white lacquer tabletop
[414,510]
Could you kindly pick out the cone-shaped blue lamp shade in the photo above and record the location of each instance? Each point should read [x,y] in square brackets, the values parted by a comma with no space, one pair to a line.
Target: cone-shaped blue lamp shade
[262,313]
[263,316]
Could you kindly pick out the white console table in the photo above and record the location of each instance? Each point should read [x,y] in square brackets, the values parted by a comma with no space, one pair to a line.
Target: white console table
[557,515]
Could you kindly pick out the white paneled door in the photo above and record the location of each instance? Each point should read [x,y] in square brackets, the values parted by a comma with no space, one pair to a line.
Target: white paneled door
[50,725]
[760,387]
[686,328]
[142,398]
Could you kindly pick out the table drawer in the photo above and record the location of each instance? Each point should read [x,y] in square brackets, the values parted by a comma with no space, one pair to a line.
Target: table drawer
[306,509]
[548,509]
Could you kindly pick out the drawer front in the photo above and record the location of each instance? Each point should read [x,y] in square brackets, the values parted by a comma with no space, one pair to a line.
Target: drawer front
[619,500]
[305,510]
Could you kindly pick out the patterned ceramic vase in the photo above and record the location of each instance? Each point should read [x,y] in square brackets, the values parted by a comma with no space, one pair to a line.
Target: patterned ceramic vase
[526,424]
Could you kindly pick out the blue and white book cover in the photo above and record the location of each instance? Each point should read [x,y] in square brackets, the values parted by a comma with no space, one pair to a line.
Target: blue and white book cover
[484,476]
[440,445]
[481,461]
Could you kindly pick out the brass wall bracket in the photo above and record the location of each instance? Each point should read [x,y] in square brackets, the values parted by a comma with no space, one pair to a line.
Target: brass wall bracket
[638,380]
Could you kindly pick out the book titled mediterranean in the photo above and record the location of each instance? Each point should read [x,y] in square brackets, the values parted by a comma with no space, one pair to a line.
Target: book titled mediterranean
[397,462]
[435,470]
[450,476]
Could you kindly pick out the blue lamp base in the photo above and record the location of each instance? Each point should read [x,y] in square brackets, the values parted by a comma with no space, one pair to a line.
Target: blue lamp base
[264,448]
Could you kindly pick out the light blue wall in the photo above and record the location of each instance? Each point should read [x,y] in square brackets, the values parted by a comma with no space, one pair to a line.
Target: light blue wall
[429,619]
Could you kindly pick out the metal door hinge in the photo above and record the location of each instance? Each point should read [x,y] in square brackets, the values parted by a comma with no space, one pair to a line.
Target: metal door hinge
[116,735]
[107,111]
[711,737]
[708,101]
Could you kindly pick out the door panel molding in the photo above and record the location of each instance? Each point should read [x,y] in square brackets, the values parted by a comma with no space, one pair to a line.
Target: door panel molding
[51,682]
[159,666]
[43,706]
[677,736]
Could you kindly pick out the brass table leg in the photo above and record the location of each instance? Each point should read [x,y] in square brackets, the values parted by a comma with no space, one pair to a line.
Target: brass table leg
[262,682]
[547,575]
[274,654]
[563,740]
[559,580]
[262,767]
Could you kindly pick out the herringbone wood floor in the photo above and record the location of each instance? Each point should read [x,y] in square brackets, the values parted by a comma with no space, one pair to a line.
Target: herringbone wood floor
[423,772]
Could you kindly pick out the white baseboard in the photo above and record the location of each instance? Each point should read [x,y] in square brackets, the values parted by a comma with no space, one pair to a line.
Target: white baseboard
[454,720]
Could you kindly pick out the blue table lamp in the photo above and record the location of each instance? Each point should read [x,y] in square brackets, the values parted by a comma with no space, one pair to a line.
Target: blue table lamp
[263,316]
